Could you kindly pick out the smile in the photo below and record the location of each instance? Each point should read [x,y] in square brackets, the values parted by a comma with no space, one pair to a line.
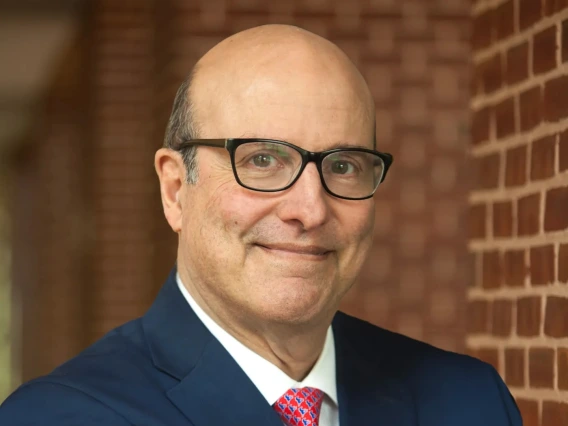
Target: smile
[296,251]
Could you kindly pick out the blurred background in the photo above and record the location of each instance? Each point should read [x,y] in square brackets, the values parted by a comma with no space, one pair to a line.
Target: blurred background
[471,238]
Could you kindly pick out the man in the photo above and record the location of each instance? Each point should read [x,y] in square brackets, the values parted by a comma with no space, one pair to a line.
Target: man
[274,224]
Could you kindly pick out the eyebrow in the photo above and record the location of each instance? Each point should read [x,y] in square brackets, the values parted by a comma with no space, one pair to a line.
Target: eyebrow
[346,145]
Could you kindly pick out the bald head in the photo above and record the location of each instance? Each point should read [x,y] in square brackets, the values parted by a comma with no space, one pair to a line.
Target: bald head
[262,81]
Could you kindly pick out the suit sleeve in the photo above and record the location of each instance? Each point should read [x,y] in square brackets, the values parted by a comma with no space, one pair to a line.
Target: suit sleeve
[51,404]
[509,404]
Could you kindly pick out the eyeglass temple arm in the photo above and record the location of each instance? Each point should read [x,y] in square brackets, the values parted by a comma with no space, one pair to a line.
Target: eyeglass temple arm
[216,143]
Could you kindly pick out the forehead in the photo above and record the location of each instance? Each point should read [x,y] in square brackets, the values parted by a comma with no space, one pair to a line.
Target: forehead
[315,123]
[308,107]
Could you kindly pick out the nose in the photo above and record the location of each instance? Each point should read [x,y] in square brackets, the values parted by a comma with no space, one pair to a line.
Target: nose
[306,201]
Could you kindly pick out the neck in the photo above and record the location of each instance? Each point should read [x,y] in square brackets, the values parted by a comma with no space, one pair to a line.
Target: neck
[293,348]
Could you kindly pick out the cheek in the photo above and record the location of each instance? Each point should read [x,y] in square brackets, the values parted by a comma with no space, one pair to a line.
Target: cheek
[360,221]
[237,209]
[357,225]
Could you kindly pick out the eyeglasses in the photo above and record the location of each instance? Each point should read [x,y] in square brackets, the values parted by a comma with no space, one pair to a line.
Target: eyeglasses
[268,165]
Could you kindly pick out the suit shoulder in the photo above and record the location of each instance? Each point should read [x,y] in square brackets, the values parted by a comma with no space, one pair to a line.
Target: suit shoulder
[403,352]
[437,379]
[111,376]
[40,402]
[118,359]
[121,350]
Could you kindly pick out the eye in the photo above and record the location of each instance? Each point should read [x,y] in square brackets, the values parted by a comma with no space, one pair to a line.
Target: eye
[263,160]
[342,167]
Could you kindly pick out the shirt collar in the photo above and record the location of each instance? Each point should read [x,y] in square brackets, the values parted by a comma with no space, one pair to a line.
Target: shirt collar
[269,379]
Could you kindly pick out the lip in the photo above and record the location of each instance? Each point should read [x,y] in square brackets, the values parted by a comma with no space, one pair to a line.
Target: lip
[310,251]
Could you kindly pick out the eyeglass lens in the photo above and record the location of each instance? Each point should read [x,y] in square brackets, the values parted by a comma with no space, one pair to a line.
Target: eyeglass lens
[272,166]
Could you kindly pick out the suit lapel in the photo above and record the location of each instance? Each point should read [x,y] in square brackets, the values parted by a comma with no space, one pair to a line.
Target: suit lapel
[212,389]
[217,392]
[367,393]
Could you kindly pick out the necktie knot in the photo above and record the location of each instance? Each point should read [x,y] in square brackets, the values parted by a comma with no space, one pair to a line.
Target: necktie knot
[300,407]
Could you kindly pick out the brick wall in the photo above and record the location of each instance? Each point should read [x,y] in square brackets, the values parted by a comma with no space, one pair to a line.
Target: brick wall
[519,206]
[415,56]
[124,200]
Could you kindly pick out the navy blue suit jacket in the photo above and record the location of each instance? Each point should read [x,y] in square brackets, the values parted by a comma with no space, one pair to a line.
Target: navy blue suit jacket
[166,369]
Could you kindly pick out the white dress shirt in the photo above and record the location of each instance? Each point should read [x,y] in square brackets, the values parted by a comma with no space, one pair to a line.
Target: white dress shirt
[269,379]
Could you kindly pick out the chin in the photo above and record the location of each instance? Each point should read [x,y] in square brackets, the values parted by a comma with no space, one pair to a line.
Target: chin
[291,310]
[290,318]
[293,300]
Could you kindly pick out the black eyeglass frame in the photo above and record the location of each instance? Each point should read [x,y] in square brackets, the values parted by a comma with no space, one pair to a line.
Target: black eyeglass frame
[232,144]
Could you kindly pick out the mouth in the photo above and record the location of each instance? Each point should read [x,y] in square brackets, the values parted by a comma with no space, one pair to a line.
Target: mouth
[312,252]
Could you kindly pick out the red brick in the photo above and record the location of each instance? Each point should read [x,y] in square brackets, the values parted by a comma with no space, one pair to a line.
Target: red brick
[477,221]
[563,263]
[541,367]
[478,317]
[563,151]
[556,317]
[553,6]
[480,126]
[475,82]
[562,367]
[247,6]
[542,265]
[503,20]
[528,215]
[488,355]
[531,108]
[530,12]
[503,219]
[487,169]
[528,316]
[516,163]
[491,73]
[554,413]
[515,269]
[505,118]
[555,101]
[517,63]
[544,50]
[492,269]
[564,41]
[515,367]
[529,412]
[556,216]
[482,30]
[542,158]
[474,262]
[501,318]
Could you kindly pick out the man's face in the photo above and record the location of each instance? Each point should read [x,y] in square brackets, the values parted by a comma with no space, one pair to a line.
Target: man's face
[289,256]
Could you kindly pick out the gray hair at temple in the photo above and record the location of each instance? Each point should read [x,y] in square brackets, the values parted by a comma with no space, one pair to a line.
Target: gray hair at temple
[182,126]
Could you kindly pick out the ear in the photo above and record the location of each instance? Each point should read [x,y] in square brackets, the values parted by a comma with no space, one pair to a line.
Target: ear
[171,173]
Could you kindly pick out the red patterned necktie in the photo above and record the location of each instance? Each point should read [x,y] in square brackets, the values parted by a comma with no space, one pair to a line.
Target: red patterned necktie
[300,407]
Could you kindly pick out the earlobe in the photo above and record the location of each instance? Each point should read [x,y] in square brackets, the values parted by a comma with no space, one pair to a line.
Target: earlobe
[170,170]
